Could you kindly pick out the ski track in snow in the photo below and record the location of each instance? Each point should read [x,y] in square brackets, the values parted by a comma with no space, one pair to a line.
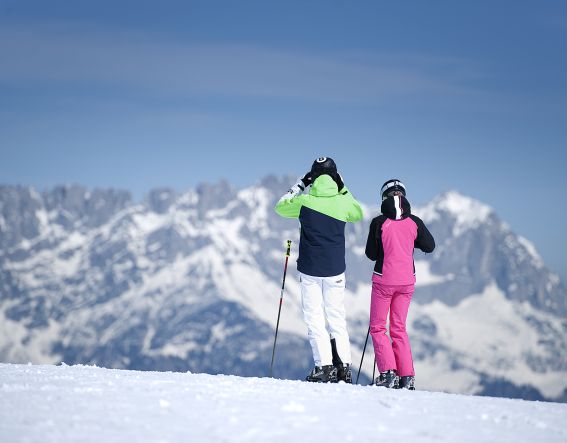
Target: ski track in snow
[89,404]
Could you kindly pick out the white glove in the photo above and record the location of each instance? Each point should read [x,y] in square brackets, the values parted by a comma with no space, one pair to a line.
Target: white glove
[295,190]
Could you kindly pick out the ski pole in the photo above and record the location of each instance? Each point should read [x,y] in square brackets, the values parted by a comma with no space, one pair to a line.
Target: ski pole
[373,372]
[280,307]
[362,358]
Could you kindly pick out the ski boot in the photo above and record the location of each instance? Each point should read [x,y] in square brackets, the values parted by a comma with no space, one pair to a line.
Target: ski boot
[323,374]
[344,373]
[388,379]
[407,382]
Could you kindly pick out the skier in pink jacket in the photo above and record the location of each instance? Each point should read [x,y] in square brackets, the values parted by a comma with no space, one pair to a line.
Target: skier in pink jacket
[391,241]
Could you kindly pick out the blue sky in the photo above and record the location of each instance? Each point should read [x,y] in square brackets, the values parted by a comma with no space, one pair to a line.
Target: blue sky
[445,95]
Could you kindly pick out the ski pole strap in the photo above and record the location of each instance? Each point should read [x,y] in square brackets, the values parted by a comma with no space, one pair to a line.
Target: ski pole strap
[287,252]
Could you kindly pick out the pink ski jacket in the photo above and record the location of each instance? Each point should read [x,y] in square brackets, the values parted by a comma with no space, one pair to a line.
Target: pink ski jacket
[391,241]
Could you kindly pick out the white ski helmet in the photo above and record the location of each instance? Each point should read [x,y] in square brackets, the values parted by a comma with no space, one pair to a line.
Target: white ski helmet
[392,185]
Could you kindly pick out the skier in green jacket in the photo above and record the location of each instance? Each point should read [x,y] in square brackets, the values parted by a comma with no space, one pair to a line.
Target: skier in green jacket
[323,214]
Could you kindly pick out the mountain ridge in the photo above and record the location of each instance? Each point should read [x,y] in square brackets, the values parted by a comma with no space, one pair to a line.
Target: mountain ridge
[122,287]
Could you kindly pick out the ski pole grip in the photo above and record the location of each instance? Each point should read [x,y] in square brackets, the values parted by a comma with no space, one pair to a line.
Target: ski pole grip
[287,252]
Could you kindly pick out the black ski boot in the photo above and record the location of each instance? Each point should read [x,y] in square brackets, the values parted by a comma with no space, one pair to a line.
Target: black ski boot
[343,370]
[388,379]
[344,373]
[407,382]
[325,374]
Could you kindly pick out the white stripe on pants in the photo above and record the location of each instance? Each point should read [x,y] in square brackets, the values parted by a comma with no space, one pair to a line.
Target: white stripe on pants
[322,300]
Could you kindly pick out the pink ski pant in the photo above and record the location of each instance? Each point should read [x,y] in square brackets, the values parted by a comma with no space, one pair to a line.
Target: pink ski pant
[397,353]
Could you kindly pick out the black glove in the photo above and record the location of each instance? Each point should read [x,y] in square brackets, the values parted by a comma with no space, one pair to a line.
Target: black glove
[307,179]
[338,180]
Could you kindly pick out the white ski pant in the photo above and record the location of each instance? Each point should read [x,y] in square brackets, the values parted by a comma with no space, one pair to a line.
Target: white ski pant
[322,300]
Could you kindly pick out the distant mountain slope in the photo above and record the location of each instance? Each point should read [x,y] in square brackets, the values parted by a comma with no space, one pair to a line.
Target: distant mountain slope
[191,281]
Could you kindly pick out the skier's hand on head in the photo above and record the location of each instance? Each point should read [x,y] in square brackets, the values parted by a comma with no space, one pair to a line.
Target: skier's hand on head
[338,180]
[307,179]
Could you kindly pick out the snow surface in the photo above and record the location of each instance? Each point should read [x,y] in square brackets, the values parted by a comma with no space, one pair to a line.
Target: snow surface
[89,404]
[467,212]
[530,247]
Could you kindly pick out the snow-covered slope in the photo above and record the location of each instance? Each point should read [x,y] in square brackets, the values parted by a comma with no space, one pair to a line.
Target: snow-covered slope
[88,404]
[192,281]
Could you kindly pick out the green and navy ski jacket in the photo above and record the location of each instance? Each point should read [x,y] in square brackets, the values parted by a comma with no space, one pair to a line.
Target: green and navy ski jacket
[323,214]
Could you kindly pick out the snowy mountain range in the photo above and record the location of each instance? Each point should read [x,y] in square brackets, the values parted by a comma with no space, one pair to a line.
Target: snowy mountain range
[191,281]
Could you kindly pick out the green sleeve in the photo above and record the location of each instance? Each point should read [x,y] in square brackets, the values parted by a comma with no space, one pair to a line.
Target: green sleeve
[354,212]
[290,208]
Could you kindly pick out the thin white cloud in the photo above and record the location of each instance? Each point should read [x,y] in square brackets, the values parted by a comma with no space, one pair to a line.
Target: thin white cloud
[67,55]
